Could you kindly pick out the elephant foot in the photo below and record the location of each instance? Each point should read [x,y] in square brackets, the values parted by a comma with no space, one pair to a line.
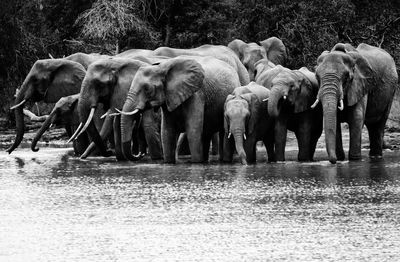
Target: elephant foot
[333,160]
[376,157]
[340,156]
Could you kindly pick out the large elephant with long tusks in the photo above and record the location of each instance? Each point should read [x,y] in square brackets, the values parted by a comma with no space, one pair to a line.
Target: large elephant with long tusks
[361,82]
[48,81]
[191,91]
[107,81]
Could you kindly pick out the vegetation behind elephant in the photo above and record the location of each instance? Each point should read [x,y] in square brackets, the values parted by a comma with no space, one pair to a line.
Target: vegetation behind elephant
[291,97]
[107,81]
[191,91]
[218,51]
[249,54]
[246,121]
[363,81]
[65,113]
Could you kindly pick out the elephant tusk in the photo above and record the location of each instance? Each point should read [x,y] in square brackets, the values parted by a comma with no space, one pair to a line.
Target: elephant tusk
[20,104]
[284,97]
[76,132]
[114,114]
[91,114]
[315,103]
[244,136]
[229,135]
[104,115]
[341,106]
[266,99]
[127,113]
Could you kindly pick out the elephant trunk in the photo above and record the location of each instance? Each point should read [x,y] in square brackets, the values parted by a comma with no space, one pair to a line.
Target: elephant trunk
[276,94]
[24,95]
[49,120]
[127,124]
[238,135]
[85,106]
[329,92]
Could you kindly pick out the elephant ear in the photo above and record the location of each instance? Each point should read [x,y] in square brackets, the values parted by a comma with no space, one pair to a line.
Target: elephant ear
[308,90]
[254,105]
[183,78]
[275,50]
[362,78]
[65,79]
[237,46]
[265,79]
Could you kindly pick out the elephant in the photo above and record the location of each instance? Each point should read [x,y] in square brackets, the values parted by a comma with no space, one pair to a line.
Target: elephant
[218,51]
[191,91]
[48,81]
[107,81]
[246,122]
[249,53]
[65,112]
[363,80]
[289,103]
[261,66]
[86,59]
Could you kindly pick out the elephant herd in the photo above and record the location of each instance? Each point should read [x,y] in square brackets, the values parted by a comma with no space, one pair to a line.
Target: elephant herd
[155,101]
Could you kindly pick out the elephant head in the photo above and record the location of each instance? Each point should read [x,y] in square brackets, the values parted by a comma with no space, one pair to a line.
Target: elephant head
[240,119]
[48,81]
[295,90]
[167,84]
[261,66]
[63,112]
[343,75]
[107,81]
[249,54]
[275,50]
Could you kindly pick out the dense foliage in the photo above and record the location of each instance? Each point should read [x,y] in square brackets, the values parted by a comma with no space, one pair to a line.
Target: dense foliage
[33,29]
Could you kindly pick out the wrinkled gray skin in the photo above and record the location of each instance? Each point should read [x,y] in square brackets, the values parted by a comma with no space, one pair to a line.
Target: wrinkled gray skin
[218,51]
[261,66]
[365,79]
[191,92]
[292,94]
[107,81]
[65,113]
[48,81]
[246,121]
[250,53]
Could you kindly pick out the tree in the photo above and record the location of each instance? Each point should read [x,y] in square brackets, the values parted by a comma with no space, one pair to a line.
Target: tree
[111,20]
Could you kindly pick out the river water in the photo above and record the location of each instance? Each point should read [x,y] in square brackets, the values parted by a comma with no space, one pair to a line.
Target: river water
[55,207]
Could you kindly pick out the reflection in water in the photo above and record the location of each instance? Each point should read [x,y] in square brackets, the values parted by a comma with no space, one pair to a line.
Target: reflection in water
[57,207]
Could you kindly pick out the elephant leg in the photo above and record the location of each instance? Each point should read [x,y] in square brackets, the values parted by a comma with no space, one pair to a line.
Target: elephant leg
[199,140]
[339,143]
[228,149]
[303,136]
[250,149]
[215,144]
[135,140]
[183,145]
[221,142]
[168,137]
[117,138]
[280,138]
[206,146]
[376,135]
[356,122]
[269,146]
[142,141]
[152,135]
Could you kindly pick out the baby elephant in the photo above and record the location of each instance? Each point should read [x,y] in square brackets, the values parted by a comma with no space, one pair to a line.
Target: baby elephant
[246,121]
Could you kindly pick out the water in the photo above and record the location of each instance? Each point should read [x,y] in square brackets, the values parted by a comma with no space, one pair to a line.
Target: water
[54,207]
